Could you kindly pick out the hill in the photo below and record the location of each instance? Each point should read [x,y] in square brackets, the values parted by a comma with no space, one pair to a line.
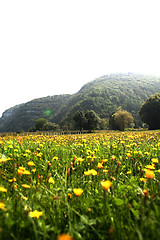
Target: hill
[103,95]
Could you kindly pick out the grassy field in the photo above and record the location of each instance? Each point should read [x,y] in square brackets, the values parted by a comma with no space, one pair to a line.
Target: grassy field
[90,186]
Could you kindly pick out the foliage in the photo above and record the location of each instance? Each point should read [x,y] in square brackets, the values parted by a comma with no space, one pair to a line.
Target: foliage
[92,120]
[123,119]
[94,186]
[41,124]
[88,120]
[120,119]
[79,119]
[103,96]
[150,112]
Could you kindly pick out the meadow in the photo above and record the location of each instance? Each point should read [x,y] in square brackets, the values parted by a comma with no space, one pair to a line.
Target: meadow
[87,186]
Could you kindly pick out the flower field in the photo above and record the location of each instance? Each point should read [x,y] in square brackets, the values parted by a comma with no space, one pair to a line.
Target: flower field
[91,186]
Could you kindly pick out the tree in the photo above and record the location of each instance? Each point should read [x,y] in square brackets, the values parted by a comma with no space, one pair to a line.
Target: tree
[92,120]
[40,122]
[111,121]
[150,111]
[49,126]
[121,119]
[79,119]
[43,124]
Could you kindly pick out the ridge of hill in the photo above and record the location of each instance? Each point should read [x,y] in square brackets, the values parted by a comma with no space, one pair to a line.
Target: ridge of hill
[103,95]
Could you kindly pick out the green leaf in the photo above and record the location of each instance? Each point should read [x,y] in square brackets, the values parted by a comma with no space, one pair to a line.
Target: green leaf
[135,212]
[118,201]
[92,222]
[84,219]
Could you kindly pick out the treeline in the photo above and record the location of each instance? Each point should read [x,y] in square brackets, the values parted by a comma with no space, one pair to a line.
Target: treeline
[89,121]
[119,120]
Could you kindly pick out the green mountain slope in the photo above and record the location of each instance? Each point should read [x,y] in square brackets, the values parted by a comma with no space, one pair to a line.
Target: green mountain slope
[103,95]
[22,117]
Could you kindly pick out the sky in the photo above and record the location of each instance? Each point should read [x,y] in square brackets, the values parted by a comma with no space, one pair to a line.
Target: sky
[52,47]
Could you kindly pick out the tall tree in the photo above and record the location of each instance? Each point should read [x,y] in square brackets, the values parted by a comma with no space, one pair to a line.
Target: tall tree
[92,120]
[150,111]
[40,122]
[79,119]
[122,119]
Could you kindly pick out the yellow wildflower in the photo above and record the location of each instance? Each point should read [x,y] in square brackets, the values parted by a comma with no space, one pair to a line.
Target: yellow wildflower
[35,214]
[26,172]
[12,180]
[149,174]
[105,170]
[106,184]
[2,189]
[31,163]
[150,167]
[78,191]
[2,206]
[51,180]
[143,179]
[155,160]
[93,172]
[64,237]
[25,186]
[99,165]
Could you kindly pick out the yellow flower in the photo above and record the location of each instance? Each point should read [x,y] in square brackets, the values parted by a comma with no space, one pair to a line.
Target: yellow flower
[24,198]
[86,173]
[64,237]
[155,160]
[106,184]
[28,151]
[99,165]
[93,172]
[78,191]
[21,170]
[128,154]
[4,159]
[145,192]
[12,180]
[26,172]
[79,159]
[104,160]
[25,186]
[35,214]
[143,179]
[2,206]
[106,170]
[51,180]
[2,189]
[10,146]
[33,170]
[31,163]
[150,167]
[149,174]
[69,195]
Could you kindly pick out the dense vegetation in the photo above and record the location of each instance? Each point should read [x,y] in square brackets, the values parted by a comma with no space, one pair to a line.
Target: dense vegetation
[103,95]
[150,111]
[93,186]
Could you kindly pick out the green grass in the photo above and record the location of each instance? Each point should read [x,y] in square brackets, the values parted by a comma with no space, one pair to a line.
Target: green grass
[124,211]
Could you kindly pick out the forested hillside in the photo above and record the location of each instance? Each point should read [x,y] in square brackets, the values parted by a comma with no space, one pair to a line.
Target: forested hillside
[103,95]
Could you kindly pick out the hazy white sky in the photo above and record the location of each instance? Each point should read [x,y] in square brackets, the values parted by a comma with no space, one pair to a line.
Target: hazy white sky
[50,47]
